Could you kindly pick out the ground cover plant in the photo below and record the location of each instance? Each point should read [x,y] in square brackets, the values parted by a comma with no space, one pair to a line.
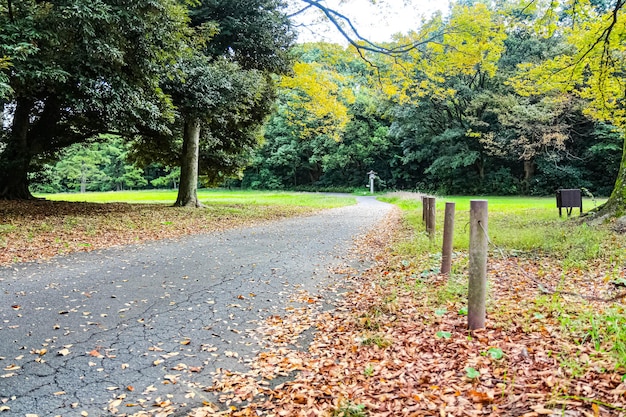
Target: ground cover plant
[397,342]
[64,223]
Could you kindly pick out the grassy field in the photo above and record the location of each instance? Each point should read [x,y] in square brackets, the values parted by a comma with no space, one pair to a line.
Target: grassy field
[208,197]
[64,223]
[528,225]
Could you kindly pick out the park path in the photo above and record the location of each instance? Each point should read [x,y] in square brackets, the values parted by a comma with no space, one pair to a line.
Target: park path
[148,322]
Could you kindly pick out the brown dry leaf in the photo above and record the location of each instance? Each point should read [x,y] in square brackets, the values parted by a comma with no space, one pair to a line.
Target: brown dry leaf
[95,353]
[171,378]
[63,352]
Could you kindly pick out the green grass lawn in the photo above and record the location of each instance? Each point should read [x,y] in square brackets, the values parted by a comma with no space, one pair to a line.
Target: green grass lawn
[209,197]
[518,224]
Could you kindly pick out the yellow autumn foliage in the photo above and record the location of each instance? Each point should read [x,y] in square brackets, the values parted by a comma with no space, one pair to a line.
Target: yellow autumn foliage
[591,65]
[318,100]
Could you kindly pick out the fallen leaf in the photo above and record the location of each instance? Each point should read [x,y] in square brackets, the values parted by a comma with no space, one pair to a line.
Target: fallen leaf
[96,354]
[149,389]
[171,378]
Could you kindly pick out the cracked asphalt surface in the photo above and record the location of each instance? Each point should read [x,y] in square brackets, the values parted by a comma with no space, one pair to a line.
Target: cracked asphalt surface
[80,330]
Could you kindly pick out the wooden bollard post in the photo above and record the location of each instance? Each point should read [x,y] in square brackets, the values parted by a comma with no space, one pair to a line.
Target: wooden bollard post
[477,294]
[424,208]
[430,217]
[448,236]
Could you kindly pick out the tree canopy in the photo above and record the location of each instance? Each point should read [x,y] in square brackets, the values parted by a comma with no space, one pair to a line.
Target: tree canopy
[519,96]
[90,67]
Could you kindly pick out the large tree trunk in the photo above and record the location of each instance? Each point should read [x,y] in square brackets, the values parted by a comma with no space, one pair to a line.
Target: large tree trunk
[188,184]
[15,158]
[616,204]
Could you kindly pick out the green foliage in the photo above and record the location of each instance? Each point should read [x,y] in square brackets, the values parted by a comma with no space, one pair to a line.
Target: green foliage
[439,118]
[91,67]
[348,409]
[222,86]
[97,166]
[376,340]
[471,373]
[495,353]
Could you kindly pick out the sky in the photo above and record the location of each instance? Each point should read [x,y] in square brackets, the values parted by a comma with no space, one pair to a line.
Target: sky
[376,20]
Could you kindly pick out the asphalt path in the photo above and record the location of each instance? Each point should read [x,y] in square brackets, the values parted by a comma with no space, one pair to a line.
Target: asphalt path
[147,323]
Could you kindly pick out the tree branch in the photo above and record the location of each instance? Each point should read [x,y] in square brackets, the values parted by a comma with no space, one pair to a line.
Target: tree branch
[299,11]
[359,42]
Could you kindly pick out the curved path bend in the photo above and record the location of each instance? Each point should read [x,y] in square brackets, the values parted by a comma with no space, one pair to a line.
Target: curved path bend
[81,330]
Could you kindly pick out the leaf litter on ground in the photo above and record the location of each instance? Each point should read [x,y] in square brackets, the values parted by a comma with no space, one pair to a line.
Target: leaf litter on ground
[41,229]
[381,347]
[394,343]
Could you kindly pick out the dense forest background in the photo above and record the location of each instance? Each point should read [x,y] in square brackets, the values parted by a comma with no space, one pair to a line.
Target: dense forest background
[433,121]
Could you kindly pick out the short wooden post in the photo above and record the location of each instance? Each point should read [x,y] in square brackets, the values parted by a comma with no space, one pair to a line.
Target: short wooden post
[448,235]
[430,217]
[424,208]
[477,294]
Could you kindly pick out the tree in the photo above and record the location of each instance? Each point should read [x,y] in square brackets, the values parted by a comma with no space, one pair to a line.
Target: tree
[93,67]
[101,165]
[223,91]
[591,66]
[223,105]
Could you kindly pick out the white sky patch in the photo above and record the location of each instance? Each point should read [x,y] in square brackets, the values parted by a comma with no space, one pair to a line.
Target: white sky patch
[375,20]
